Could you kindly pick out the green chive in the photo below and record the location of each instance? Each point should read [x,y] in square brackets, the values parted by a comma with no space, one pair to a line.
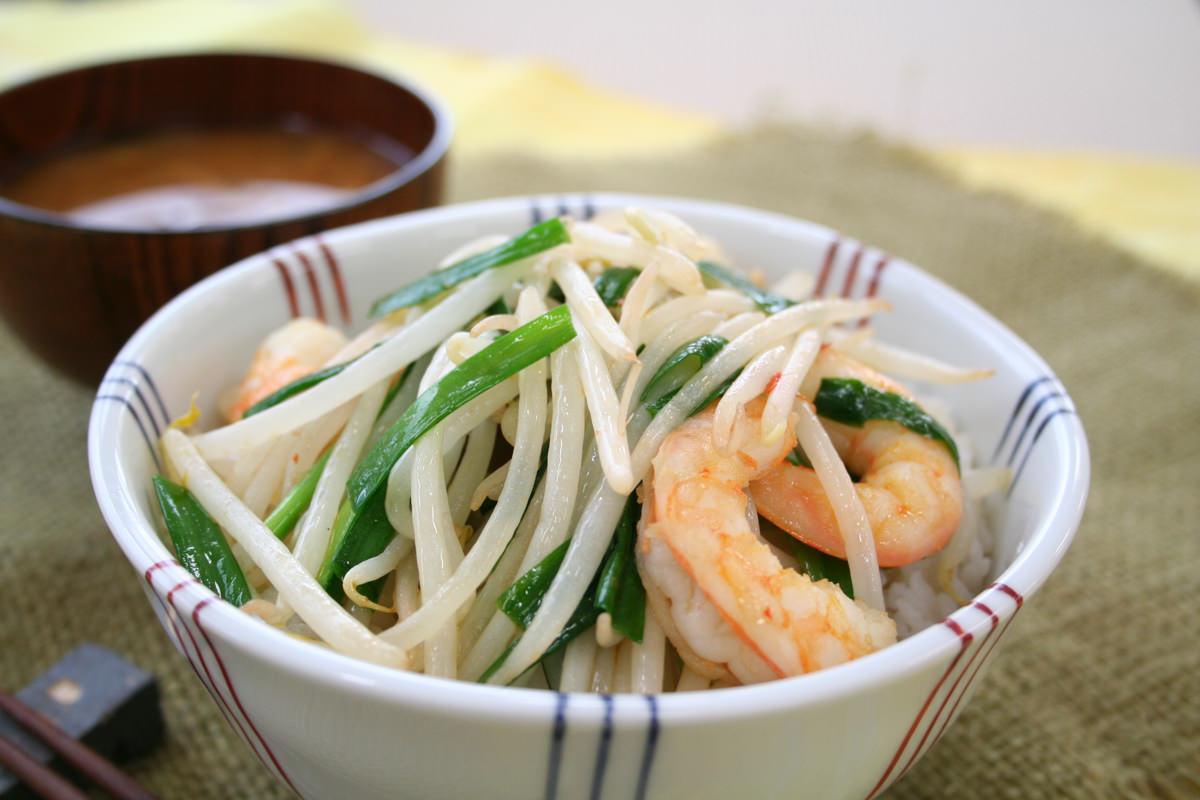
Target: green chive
[613,283]
[852,402]
[358,534]
[821,565]
[616,588]
[619,590]
[294,388]
[539,238]
[285,515]
[764,298]
[500,360]
[678,369]
[199,543]
[522,600]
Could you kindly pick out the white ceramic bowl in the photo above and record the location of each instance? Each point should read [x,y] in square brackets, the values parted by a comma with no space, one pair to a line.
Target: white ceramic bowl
[331,727]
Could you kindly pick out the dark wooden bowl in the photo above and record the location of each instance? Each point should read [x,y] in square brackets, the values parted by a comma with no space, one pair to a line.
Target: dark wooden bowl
[73,293]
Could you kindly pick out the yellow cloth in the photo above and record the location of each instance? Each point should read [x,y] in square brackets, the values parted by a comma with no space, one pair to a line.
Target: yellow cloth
[496,103]
[1151,208]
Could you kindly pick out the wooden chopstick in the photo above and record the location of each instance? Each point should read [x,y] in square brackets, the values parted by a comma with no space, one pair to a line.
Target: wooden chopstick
[44,781]
[90,763]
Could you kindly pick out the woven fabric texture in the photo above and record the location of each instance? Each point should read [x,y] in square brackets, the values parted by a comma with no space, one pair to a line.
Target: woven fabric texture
[1096,692]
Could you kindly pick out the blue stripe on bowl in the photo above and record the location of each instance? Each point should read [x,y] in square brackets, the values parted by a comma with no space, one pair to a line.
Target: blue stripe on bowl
[129,384]
[554,762]
[601,760]
[1041,401]
[603,749]
[145,376]
[649,747]
[578,206]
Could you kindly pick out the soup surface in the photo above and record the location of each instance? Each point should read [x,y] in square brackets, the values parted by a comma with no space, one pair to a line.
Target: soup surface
[189,178]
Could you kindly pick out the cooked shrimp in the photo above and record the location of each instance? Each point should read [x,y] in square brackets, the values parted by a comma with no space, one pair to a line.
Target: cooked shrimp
[726,602]
[908,483]
[292,351]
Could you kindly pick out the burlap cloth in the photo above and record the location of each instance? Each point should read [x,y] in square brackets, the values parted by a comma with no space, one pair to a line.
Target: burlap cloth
[1097,691]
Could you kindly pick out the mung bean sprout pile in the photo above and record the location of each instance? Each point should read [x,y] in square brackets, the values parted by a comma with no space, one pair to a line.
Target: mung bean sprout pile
[594,456]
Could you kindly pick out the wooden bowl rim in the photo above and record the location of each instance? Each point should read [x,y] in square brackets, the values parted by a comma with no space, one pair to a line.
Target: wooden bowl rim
[410,171]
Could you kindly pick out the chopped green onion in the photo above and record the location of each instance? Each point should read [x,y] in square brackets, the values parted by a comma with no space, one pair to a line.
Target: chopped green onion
[679,368]
[821,565]
[852,402]
[797,458]
[301,384]
[361,529]
[394,390]
[613,283]
[294,388]
[620,591]
[521,601]
[539,238]
[716,393]
[199,543]
[500,360]
[764,298]
[358,534]
[500,306]
[285,515]
[616,588]
[581,619]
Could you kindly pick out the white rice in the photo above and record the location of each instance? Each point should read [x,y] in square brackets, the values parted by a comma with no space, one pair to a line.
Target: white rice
[911,593]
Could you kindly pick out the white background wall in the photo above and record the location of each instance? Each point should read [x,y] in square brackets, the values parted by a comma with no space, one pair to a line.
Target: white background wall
[1106,75]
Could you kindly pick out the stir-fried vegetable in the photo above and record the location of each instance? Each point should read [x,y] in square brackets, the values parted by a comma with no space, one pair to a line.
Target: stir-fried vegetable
[523,599]
[613,283]
[616,590]
[619,591]
[821,566]
[358,534]
[294,388]
[537,239]
[199,543]
[852,402]
[763,298]
[362,529]
[679,367]
[465,496]
[500,360]
[287,513]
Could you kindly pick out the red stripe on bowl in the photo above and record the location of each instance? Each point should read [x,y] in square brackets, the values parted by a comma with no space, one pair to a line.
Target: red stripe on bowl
[335,273]
[289,287]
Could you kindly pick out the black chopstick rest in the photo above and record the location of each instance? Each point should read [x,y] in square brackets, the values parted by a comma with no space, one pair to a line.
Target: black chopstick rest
[96,697]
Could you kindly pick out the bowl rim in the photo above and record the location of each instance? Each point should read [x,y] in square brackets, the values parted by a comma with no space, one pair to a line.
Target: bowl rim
[1029,569]
[434,151]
